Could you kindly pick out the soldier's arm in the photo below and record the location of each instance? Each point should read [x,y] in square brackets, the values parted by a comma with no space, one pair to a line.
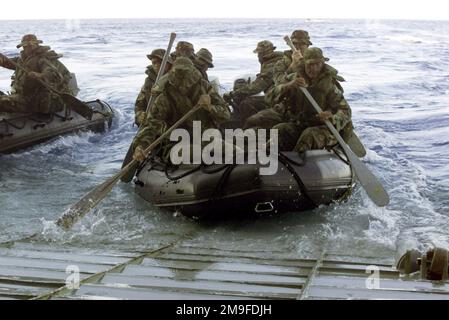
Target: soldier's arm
[273,96]
[263,82]
[219,109]
[8,63]
[279,92]
[339,107]
[144,96]
[280,70]
[149,133]
[140,108]
[161,109]
[49,73]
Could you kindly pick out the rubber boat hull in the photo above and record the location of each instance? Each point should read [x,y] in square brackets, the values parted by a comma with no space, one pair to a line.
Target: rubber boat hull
[300,183]
[19,131]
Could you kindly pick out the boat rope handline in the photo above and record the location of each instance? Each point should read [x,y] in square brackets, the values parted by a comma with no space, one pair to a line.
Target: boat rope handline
[348,192]
[226,168]
[46,121]
[150,159]
[222,182]
[24,118]
[337,151]
[286,162]
[8,123]
[299,164]
[185,174]
[66,115]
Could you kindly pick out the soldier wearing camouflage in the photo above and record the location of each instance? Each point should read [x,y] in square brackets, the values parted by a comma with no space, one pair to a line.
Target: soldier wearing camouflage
[272,116]
[305,129]
[203,62]
[141,104]
[246,103]
[184,49]
[290,61]
[28,95]
[181,89]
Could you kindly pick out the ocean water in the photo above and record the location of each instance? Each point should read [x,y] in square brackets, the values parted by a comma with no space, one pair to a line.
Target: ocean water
[397,84]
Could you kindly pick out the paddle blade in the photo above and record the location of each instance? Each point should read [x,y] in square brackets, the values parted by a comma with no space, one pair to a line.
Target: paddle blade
[78,106]
[129,175]
[355,144]
[89,201]
[368,180]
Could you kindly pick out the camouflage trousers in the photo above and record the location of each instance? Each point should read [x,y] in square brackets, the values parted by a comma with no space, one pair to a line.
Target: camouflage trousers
[299,138]
[42,103]
[315,138]
[250,106]
[265,119]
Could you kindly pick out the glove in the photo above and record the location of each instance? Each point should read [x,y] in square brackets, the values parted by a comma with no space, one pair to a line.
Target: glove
[139,155]
[296,59]
[140,117]
[297,82]
[326,115]
[205,102]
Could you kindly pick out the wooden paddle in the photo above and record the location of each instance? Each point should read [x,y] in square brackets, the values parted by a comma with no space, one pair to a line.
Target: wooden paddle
[129,155]
[369,182]
[91,199]
[350,136]
[72,102]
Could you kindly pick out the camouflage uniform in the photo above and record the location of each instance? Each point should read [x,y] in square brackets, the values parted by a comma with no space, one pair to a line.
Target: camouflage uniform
[246,101]
[28,95]
[176,96]
[268,118]
[184,49]
[203,61]
[283,66]
[145,92]
[304,123]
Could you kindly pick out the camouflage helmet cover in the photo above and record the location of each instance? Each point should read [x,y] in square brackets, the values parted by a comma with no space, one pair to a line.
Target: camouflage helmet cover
[313,55]
[182,63]
[28,39]
[264,46]
[157,53]
[301,36]
[184,45]
[206,56]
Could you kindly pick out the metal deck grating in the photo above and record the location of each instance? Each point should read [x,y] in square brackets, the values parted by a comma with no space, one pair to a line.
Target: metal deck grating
[188,271]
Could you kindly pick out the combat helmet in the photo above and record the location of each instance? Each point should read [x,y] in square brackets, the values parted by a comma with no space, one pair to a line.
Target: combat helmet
[28,39]
[313,55]
[157,53]
[301,36]
[206,56]
[264,46]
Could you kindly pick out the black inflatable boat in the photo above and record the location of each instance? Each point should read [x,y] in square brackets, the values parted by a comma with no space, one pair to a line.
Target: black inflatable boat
[18,131]
[300,183]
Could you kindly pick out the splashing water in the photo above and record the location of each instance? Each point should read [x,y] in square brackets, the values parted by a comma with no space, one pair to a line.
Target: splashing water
[397,76]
